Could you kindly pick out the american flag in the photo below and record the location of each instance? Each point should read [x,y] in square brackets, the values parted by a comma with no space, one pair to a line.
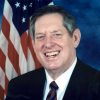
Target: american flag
[16,50]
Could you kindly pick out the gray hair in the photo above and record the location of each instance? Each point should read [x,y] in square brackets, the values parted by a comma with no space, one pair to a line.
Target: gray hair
[68,20]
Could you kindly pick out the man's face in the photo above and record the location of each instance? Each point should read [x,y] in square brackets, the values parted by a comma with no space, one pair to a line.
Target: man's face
[53,46]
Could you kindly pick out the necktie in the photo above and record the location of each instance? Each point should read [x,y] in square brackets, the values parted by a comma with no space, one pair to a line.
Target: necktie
[52,95]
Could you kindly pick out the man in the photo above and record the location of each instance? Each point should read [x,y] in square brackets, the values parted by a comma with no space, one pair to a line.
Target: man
[55,39]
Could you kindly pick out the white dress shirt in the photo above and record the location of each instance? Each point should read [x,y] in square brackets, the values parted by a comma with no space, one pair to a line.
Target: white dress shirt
[62,82]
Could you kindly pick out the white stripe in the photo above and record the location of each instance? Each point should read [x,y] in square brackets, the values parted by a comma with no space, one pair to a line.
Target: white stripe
[15,39]
[28,65]
[14,36]
[9,70]
[30,61]
[22,61]
[3,43]
[7,11]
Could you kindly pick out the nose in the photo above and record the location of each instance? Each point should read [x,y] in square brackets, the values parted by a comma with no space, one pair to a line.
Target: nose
[48,42]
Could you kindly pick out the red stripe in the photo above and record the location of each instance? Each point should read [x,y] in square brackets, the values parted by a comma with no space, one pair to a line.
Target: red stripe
[24,43]
[2,60]
[13,56]
[5,28]
[37,64]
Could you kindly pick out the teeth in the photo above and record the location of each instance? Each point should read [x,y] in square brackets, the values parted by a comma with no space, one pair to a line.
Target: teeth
[54,53]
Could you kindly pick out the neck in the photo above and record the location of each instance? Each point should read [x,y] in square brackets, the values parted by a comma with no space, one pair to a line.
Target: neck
[55,73]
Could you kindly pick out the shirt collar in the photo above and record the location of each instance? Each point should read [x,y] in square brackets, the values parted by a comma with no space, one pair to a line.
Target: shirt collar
[64,78]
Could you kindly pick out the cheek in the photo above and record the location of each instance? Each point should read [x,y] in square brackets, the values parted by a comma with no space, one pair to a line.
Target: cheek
[37,46]
[67,46]
[38,50]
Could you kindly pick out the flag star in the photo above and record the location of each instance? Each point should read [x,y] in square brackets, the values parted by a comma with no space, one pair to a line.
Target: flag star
[30,5]
[23,20]
[24,7]
[17,4]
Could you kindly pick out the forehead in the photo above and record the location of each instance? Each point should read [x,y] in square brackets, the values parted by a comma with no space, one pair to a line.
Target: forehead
[49,20]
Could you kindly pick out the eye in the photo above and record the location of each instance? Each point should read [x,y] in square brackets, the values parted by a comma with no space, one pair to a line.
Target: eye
[57,35]
[40,37]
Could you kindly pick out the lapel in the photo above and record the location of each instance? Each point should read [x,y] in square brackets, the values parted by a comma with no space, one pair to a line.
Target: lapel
[38,86]
[74,87]
[77,88]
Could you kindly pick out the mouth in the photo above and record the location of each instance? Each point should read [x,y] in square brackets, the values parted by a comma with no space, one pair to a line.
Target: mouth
[52,54]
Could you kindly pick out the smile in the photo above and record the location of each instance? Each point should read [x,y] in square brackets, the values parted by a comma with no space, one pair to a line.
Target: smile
[52,54]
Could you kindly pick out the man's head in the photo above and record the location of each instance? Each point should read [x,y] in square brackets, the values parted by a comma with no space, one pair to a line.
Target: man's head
[56,38]
[68,20]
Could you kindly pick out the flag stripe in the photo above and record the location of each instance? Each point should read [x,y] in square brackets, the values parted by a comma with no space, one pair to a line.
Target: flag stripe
[37,64]
[16,49]
[6,85]
[30,61]
[5,28]
[13,56]
[2,60]
[24,43]
[10,70]
[3,43]
[2,77]
[1,93]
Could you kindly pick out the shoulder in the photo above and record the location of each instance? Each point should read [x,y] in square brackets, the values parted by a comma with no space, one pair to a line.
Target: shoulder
[23,85]
[87,76]
[27,79]
[86,72]
[86,68]
[30,75]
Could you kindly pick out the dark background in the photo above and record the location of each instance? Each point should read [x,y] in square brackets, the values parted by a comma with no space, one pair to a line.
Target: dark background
[87,14]
[1,11]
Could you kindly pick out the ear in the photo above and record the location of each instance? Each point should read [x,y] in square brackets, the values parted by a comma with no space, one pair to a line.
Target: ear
[76,37]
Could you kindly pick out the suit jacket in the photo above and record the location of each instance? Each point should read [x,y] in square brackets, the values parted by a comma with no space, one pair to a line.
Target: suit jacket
[84,84]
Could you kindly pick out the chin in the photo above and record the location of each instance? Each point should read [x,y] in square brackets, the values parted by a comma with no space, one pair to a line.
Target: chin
[52,67]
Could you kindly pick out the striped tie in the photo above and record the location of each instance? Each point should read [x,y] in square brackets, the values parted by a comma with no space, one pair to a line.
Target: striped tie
[52,95]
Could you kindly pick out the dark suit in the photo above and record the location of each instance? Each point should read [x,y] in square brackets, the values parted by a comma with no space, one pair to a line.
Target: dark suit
[84,85]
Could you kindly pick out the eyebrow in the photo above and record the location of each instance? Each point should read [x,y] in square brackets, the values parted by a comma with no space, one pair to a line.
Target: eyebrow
[56,31]
[38,33]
